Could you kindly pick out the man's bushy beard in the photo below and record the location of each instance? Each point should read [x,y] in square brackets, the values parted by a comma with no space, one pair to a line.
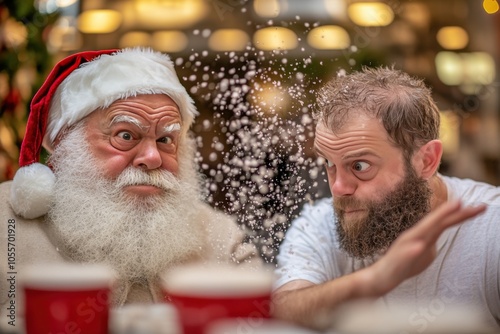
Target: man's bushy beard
[95,221]
[387,218]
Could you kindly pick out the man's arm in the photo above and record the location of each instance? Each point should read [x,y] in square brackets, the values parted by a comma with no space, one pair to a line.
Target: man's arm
[301,301]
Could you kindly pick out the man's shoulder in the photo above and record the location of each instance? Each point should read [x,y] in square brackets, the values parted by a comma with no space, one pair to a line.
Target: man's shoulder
[320,210]
[319,206]
[472,192]
[316,220]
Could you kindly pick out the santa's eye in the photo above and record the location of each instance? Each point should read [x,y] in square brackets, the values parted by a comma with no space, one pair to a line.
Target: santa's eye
[125,135]
[329,164]
[166,140]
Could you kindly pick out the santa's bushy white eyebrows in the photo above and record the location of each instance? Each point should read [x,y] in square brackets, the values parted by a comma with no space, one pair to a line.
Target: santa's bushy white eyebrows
[129,119]
[172,127]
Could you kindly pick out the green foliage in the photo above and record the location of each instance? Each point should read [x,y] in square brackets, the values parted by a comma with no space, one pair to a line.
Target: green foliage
[20,20]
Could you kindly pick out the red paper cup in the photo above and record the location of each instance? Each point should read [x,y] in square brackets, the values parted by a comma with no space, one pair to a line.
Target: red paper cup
[203,294]
[67,298]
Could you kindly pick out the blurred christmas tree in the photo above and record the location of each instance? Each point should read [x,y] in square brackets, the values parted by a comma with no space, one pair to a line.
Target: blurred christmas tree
[24,62]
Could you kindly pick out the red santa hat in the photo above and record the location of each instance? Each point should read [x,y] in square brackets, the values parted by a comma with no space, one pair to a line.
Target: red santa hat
[78,85]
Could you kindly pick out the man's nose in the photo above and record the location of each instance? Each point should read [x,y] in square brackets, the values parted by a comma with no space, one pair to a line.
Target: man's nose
[148,156]
[342,184]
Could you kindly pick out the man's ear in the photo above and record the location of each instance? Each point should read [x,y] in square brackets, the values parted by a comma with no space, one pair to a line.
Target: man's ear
[428,158]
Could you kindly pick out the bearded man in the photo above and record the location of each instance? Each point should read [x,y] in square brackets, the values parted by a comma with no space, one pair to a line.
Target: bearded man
[122,188]
[377,131]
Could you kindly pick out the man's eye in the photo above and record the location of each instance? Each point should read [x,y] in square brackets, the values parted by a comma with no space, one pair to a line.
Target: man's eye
[328,163]
[165,140]
[360,166]
[124,135]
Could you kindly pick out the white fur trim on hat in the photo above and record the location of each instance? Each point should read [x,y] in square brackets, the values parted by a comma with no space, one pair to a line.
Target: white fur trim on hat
[31,191]
[100,82]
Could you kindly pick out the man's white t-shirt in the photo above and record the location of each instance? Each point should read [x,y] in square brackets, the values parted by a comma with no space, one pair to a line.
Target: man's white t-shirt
[466,270]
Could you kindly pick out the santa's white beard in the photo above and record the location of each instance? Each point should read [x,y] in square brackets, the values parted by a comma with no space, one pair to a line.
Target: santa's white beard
[95,221]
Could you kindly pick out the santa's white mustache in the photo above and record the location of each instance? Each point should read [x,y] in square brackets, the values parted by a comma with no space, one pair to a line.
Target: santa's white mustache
[162,179]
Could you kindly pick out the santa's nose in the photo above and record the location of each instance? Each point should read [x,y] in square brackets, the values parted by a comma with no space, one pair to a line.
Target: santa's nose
[148,156]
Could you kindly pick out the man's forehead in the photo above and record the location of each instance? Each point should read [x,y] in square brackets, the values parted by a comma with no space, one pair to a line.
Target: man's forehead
[361,121]
[362,131]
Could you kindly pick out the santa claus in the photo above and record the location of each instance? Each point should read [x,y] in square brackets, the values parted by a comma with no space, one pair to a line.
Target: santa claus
[121,186]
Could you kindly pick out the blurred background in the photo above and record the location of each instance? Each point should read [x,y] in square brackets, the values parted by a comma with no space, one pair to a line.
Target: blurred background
[253,67]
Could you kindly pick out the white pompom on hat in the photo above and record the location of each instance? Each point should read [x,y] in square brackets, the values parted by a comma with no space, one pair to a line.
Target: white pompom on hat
[77,86]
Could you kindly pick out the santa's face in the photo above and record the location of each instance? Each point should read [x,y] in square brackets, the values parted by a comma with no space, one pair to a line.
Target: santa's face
[97,218]
[142,132]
